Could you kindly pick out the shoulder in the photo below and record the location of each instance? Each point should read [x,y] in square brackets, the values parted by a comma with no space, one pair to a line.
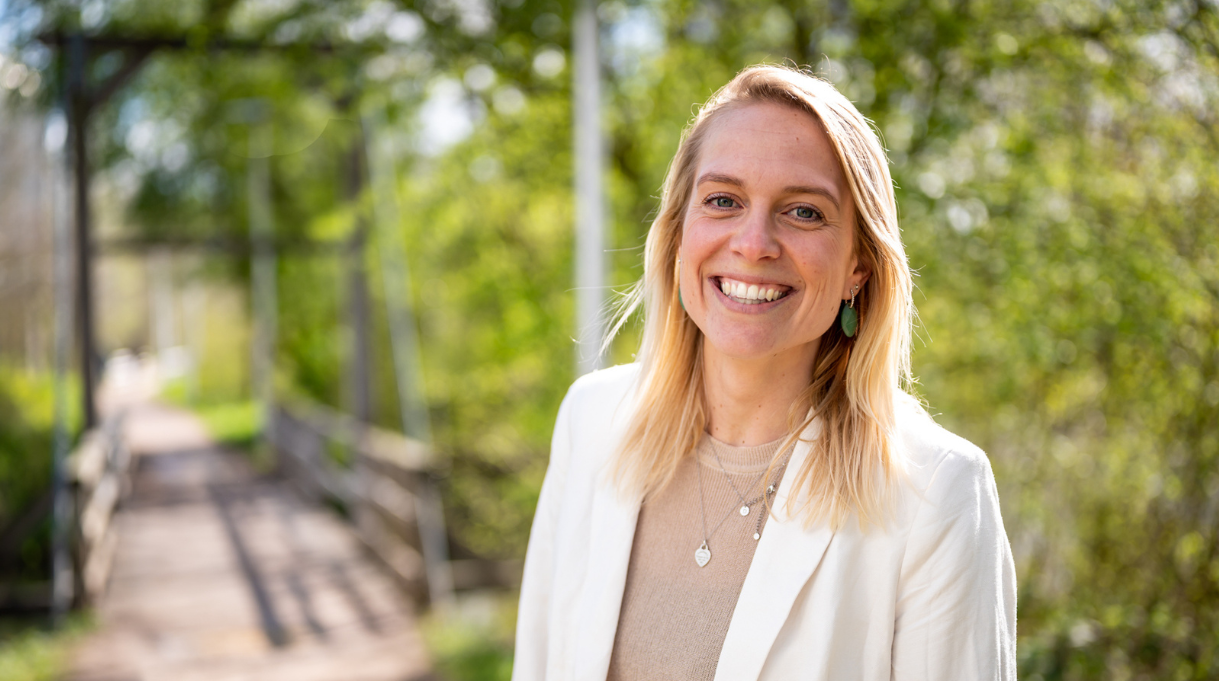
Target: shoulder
[939,464]
[588,427]
[600,399]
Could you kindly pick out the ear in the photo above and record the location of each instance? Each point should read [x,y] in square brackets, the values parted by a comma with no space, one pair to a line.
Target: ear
[861,271]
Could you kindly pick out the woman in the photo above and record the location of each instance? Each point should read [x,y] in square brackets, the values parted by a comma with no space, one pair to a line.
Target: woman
[757,497]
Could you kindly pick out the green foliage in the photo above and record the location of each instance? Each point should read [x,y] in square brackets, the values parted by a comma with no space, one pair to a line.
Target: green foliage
[232,423]
[474,641]
[496,245]
[26,439]
[26,409]
[37,653]
[1068,262]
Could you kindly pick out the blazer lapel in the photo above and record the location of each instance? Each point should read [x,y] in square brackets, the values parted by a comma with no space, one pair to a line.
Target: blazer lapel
[610,538]
[786,557]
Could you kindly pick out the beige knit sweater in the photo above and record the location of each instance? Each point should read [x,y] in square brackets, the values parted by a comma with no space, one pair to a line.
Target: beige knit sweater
[675,614]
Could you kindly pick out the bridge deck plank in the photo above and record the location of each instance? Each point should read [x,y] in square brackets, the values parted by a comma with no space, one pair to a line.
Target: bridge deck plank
[225,576]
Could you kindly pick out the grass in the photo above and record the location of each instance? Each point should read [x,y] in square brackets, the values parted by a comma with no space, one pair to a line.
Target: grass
[473,641]
[237,425]
[233,423]
[36,652]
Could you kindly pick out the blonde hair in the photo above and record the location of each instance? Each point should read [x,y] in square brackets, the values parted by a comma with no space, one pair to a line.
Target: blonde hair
[855,381]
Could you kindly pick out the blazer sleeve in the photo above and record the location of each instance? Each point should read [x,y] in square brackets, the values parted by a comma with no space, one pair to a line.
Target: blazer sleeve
[956,605]
[533,625]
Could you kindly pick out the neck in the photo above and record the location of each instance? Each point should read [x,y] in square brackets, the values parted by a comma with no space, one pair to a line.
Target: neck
[749,400]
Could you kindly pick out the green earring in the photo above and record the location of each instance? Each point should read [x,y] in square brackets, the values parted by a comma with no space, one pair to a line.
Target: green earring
[850,318]
[680,301]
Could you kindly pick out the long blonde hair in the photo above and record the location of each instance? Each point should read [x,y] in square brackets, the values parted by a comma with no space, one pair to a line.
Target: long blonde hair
[855,381]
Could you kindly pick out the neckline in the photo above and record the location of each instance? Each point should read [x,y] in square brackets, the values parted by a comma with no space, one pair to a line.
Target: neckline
[737,459]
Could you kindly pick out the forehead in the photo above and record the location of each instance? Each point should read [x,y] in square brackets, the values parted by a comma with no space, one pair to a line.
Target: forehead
[769,143]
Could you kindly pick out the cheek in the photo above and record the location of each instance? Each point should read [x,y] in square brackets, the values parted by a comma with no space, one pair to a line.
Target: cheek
[692,293]
[822,274]
[696,248]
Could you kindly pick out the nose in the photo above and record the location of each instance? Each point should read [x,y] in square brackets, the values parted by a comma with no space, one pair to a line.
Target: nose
[754,238]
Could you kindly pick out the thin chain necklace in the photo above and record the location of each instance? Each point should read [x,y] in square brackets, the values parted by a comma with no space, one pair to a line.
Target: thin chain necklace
[702,555]
[744,504]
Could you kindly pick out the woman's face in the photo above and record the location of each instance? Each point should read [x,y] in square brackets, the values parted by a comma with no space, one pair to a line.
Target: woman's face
[767,249]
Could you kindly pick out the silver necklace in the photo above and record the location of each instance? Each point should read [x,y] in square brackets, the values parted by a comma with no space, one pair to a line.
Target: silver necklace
[702,555]
[744,504]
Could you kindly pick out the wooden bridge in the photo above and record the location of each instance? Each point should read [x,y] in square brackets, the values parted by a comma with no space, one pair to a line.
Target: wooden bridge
[200,568]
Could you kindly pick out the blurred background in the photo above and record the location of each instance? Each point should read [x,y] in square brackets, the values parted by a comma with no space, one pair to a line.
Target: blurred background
[321,265]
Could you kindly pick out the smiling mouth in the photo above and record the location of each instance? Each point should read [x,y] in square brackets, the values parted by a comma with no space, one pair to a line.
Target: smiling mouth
[751,294]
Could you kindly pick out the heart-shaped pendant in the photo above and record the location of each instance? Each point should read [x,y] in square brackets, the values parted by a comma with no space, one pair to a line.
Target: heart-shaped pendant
[703,555]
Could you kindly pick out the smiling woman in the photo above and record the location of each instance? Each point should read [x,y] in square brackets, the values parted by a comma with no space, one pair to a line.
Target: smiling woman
[758,497]
[768,247]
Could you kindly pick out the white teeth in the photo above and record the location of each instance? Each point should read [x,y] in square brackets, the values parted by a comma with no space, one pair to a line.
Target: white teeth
[752,294]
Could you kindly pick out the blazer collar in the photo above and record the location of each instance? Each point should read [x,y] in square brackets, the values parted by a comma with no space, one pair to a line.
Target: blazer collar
[785,559]
[610,538]
[611,533]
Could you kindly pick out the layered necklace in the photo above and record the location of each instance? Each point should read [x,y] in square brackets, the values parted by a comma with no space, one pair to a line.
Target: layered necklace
[702,555]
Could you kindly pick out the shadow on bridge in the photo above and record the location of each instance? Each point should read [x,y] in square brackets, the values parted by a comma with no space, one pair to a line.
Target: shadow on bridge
[219,573]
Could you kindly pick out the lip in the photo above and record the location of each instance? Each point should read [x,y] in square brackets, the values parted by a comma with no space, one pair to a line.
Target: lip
[750,279]
[714,282]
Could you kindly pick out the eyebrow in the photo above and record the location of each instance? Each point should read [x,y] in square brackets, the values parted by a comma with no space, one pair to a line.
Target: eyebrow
[794,189]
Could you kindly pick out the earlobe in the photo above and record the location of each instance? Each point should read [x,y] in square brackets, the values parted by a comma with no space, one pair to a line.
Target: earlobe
[859,283]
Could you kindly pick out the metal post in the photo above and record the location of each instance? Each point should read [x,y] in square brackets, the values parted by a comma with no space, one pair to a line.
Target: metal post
[78,113]
[158,268]
[193,308]
[61,560]
[262,272]
[404,344]
[590,210]
[357,291]
[396,283]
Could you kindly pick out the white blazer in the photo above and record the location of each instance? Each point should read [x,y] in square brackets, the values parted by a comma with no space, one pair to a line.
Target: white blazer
[932,596]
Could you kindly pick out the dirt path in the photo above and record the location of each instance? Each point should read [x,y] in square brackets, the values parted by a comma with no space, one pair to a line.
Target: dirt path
[223,576]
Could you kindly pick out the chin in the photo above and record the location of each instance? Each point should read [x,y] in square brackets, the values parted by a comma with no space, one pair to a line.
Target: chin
[742,346]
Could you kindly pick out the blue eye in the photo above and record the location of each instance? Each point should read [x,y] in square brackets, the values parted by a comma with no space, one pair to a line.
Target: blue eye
[723,202]
[805,213]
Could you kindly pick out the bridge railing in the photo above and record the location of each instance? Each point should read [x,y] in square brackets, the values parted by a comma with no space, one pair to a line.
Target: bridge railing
[99,477]
[383,480]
